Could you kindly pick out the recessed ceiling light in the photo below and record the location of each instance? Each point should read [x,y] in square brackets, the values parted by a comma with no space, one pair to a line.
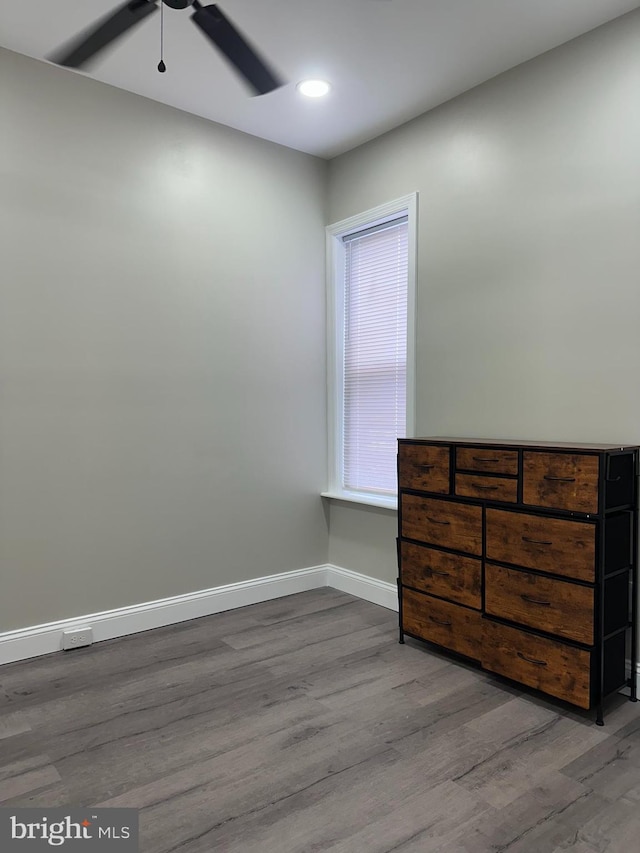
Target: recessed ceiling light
[313,88]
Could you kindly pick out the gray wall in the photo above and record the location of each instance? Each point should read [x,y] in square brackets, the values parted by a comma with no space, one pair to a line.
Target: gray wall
[162,418]
[162,379]
[529,257]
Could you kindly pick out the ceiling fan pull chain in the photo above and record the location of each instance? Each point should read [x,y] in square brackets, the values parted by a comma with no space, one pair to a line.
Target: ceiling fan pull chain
[161,66]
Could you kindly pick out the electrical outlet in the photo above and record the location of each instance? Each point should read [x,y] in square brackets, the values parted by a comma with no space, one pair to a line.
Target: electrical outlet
[77,638]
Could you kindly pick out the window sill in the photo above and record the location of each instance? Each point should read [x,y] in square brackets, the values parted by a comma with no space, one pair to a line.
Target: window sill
[368,500]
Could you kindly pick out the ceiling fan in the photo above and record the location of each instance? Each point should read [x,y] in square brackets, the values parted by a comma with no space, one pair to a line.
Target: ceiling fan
[210,19]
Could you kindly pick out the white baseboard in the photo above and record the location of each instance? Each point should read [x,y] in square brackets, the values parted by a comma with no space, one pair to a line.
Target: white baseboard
[362,586]
[44,639]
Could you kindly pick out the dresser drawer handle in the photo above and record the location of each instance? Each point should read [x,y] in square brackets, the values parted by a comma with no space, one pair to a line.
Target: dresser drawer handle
[426,467]
[532,660]
[441,574]
[535,600]
[435,520]
[560,479]
[483,459]
[440,621]
[536,541]
[484,488]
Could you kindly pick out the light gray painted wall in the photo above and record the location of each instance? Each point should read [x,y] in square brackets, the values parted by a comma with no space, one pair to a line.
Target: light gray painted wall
[162,421]
[162,371]
[362,539]
[529,256]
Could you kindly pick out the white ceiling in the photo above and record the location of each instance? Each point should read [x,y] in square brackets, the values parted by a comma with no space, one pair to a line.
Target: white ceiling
[388,60]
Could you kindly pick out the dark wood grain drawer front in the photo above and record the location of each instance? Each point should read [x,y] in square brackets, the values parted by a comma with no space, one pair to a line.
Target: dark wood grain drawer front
[486,459]
[555,606]
[555,545]
[424,467]
[486,488]
[444,523]
[566,481]
[449,576]
[554,667]
[449,625]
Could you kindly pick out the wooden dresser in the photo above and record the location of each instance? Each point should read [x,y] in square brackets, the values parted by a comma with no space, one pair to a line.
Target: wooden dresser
[523,557]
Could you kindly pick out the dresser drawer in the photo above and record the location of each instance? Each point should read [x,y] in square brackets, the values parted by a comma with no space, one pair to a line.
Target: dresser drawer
[555,606]
[424,467]
[561,481]
[554,545]
[444,523]
[486,459]
[449,625]
[449,576]
[554,667]
[487,488]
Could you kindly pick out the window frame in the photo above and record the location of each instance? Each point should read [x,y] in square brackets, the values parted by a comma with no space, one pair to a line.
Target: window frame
[335,248]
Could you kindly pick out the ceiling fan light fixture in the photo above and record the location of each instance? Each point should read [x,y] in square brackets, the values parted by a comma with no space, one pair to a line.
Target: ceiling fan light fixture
[313,88]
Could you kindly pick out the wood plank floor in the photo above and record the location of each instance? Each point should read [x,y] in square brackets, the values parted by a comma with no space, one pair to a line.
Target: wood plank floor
[301,725]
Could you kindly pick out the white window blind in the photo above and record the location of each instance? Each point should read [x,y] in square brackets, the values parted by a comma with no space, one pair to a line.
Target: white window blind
[375,355]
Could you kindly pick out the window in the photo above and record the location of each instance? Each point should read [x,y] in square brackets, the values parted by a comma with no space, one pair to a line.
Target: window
[371,295]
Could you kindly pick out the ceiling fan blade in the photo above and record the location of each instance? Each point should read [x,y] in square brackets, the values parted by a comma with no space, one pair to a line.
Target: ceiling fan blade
[94,39]
[236,48]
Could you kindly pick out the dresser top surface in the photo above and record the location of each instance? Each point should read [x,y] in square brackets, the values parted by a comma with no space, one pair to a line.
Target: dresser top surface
[542,445]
